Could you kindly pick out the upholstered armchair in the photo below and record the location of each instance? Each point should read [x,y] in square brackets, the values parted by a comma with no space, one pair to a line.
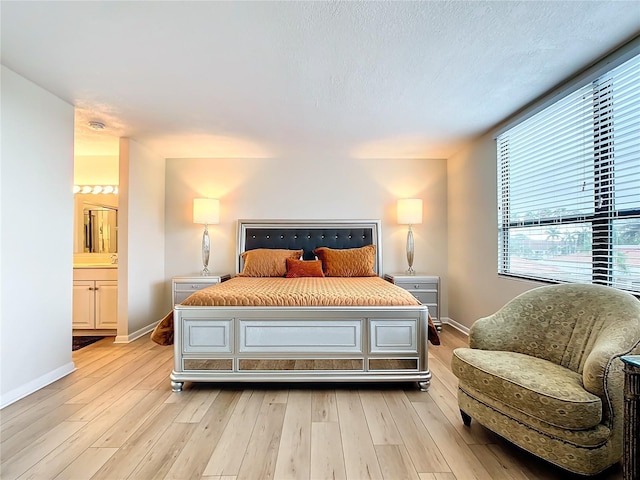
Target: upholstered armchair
[545,373]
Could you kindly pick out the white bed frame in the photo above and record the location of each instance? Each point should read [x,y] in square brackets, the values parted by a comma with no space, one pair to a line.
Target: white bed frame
[301,344]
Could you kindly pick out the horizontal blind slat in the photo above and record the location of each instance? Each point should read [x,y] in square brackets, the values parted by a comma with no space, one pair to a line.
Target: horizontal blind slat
[569,186]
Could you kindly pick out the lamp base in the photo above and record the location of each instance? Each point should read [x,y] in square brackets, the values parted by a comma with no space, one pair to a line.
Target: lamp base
[206,248]
[410,270]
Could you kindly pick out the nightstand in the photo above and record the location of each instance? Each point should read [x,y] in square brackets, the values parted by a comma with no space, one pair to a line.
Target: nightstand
[182,287]
[425,288]
[631,453]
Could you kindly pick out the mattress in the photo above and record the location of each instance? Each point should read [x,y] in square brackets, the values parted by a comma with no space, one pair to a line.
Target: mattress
[306,291]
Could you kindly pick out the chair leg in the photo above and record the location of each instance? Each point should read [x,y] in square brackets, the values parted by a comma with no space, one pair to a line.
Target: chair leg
[466,419]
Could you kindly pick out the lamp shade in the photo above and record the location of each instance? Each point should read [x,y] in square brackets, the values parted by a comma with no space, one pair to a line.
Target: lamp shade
[206,211]
[409,211]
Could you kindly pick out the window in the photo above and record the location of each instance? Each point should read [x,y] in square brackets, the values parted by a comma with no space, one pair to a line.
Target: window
[569,186]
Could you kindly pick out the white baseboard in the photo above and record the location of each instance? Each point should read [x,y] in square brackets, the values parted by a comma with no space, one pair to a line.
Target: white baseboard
[135,335]
[34,385]
[456,325]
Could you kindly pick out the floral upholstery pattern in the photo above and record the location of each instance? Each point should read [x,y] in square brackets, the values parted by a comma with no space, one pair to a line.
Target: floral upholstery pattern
[537,387]
[545,372]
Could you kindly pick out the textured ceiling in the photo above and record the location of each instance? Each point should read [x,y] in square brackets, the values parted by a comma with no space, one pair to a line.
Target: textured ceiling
[255,79]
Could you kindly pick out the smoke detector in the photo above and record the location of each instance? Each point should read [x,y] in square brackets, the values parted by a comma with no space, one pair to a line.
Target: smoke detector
[95,125]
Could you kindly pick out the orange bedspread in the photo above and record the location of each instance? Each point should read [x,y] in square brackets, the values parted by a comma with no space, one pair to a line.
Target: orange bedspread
[327,291]
[306,291]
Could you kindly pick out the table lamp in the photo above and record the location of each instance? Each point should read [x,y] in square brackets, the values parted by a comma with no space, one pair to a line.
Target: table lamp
[410,213]
[206,211]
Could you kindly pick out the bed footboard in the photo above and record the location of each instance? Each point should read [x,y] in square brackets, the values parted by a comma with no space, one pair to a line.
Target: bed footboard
[300,344]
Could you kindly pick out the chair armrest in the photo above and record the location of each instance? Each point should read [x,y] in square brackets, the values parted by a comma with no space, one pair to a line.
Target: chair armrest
[488,334]
[603,375]
[599,364]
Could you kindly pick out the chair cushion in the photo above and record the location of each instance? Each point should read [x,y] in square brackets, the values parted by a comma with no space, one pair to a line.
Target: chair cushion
[489,410]
[536,387]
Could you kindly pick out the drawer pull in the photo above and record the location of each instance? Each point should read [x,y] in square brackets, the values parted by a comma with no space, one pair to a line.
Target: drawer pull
[195,287]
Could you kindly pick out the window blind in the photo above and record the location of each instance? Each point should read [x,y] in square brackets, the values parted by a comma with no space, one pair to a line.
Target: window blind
[569,186]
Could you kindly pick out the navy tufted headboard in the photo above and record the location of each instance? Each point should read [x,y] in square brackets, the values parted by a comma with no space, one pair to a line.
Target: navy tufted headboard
[307,235]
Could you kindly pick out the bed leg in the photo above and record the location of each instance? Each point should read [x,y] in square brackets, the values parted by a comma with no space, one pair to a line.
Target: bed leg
[176,386]
[424,386]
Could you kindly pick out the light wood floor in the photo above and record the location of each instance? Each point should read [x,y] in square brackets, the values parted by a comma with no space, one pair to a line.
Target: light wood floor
[115,417]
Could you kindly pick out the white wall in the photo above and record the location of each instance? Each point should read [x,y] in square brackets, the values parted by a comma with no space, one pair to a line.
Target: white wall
[475,290]
[308,186]
[36,205]
[142,295]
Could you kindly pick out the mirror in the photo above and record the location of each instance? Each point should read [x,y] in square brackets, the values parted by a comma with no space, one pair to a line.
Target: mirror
[100,228]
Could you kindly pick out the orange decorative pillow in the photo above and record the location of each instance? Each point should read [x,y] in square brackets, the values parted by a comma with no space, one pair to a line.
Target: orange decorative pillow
[304,268]
[267,262]
[347,262]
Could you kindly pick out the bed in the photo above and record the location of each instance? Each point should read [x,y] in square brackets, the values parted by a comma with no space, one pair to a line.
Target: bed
[293,340]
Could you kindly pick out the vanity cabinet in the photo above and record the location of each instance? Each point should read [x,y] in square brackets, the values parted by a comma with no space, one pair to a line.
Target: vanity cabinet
[95,298]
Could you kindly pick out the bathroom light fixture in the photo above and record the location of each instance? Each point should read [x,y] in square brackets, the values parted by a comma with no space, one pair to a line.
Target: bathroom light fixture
[95,125]
[206,211]
[95,189]
[410,213]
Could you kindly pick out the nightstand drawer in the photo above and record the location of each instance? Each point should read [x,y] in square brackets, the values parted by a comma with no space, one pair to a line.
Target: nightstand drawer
[189,288]
[180,295]
[418,285]
[426,297]
[181,291]
[182,287]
